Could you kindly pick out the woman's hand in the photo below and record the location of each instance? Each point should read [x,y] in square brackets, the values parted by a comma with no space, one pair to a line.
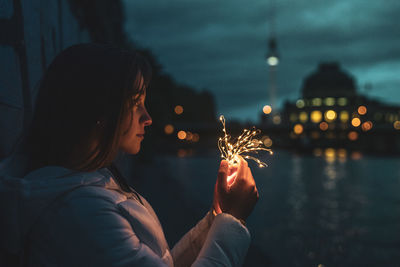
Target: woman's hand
[237,195]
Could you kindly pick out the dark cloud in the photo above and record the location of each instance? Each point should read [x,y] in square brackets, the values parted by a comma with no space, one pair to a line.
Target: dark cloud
[221,45]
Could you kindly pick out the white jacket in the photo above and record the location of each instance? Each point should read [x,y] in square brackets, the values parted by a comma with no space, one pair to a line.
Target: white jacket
[64,218]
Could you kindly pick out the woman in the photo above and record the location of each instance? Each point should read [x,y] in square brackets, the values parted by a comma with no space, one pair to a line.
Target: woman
[73,208]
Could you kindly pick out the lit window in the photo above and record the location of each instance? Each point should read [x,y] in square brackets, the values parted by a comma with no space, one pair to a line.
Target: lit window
[316,102]
[330,115]
[329,101]
[300,103]
[316,116]
[344,116]
[293,117]
[303,117]
[342,101]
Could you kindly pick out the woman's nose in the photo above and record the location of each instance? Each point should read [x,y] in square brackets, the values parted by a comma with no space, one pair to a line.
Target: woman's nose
[146,119]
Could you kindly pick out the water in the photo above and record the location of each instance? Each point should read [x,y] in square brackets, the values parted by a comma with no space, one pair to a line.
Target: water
[338,210]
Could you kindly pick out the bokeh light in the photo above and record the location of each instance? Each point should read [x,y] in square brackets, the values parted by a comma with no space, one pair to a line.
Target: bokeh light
[323,126]
[300,103]
[330,115]
[396,125]
[181,135]
[362,110]
[169,129]
[355,122]
[316,116]
[303,117]
[178,109]
[352,136]
[366,126]
[267,109]
[298,129]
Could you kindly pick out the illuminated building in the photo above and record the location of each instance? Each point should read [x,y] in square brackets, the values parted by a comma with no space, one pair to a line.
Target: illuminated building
[331,113]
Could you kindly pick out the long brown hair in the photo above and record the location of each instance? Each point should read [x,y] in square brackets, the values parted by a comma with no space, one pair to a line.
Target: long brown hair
[83,98]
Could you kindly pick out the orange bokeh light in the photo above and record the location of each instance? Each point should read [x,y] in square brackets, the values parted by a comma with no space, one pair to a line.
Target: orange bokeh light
[362,110]
[355,122]
[178,109]
[298,129]
[396,125]
[366,126]
[352,135]
[169,129]
[267,109]
[181,135]
[323,126]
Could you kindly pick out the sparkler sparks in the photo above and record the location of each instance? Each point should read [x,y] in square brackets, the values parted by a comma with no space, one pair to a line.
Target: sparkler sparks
[245,143]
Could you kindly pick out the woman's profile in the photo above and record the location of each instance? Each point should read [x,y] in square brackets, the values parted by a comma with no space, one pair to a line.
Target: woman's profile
[70,206]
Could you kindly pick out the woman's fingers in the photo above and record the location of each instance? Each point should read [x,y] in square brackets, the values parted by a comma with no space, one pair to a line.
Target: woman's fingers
[223,173]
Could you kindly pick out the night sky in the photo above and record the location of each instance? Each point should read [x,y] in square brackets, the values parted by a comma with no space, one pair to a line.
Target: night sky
[220,45]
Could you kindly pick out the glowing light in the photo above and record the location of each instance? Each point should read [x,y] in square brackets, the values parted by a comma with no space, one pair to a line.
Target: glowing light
[330,154]
[181,135]
[300,103]
[267,141]
[330,115]
[362,110]
[169,129]
[178,109]
[342,153]
[344,116]
[355,122]
[272,61]
[352,136]
[303,117]
[196,137]
[276,119]
[298,129]
[329,101]
[366,126]
[396,125]
[267,109]
[342,101]
[316,116]
[189,136]
[323,126]
[317,101]
[244,144]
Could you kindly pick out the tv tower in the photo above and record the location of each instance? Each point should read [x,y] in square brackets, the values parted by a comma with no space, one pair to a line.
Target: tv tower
[272,58]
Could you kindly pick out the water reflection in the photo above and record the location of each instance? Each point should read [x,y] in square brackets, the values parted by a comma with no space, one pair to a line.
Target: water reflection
[338,208]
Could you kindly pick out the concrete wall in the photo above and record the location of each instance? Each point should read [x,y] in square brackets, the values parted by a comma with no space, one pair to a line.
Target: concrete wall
[32,32]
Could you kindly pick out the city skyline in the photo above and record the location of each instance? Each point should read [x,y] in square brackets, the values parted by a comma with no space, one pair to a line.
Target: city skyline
[221,46]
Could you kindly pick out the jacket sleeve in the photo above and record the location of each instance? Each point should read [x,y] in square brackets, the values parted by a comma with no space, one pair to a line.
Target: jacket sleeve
[91,231]
[187,249]
[222,241]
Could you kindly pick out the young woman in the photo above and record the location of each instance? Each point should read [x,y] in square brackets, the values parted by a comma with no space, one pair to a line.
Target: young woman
[73,208]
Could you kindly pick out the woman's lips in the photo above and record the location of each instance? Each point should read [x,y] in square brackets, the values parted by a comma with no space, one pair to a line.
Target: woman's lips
[140,135]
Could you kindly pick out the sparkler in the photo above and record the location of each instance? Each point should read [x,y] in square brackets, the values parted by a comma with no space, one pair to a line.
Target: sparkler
[245,143]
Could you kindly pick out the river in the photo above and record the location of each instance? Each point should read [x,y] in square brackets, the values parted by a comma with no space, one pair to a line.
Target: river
[330,209]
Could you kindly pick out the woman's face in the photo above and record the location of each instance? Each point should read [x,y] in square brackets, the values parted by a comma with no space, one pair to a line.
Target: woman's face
[134,126]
